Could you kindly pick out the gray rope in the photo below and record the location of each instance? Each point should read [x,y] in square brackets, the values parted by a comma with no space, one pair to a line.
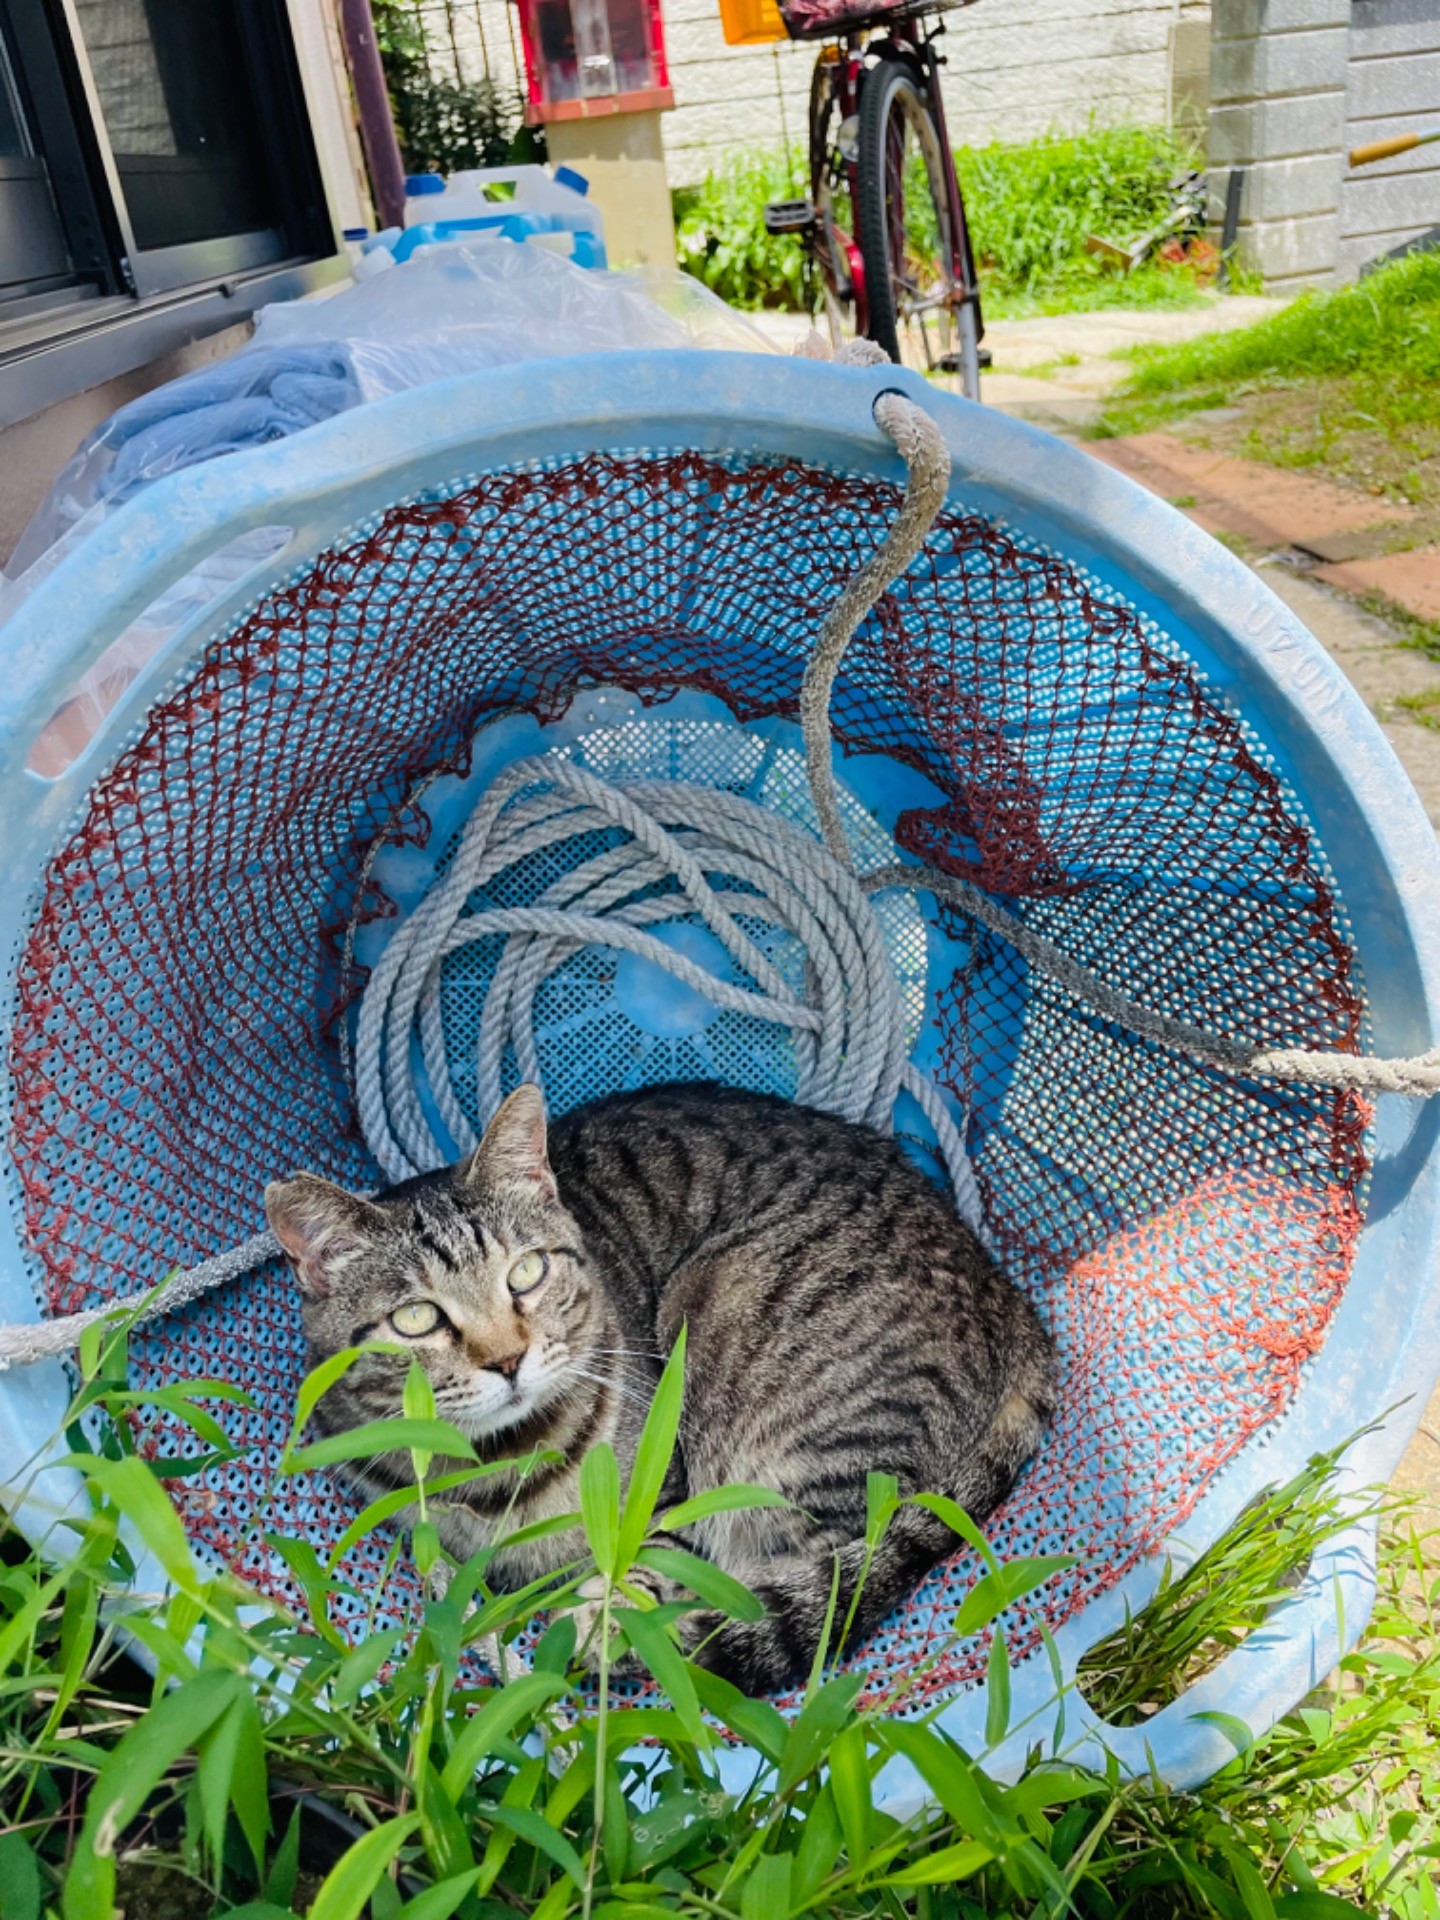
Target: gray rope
[848,1024]
[847,1032]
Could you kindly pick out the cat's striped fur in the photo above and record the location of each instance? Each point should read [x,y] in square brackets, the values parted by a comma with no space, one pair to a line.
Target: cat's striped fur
[840,1319]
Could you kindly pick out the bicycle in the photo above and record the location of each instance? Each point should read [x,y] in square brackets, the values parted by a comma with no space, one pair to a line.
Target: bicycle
[884,218]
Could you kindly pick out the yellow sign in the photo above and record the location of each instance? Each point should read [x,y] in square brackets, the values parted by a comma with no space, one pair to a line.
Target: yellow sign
[747,23]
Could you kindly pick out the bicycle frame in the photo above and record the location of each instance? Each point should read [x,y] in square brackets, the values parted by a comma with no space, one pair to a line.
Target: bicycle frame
[902,40]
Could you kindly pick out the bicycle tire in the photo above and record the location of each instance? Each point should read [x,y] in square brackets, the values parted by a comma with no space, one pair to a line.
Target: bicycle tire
[890,87]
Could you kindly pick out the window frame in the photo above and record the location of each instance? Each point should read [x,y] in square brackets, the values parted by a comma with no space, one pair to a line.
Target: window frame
[120,305]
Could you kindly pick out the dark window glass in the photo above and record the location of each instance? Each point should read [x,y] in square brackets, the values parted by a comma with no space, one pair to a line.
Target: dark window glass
[174,91]
[12,127]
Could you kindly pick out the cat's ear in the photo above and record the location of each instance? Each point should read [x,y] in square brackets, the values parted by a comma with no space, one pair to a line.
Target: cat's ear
[320,1226]
[512,1154]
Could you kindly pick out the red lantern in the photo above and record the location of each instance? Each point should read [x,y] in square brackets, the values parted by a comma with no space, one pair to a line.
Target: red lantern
[587,57]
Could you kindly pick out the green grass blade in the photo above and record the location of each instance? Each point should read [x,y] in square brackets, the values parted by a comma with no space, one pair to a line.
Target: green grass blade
[376,1437]
[600,1506]
[350,1882]
[653,1455]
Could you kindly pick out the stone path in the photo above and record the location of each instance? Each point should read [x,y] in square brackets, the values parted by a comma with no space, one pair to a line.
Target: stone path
[1057,370]
[1297,530]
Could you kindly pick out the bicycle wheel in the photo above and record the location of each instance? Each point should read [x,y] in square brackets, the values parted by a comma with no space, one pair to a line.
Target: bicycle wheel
[914,294]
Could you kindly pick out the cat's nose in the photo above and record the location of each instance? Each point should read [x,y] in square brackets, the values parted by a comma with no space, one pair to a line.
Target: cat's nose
[507,1365]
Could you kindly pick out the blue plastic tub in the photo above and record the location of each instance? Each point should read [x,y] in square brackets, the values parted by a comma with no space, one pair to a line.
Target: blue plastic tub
[1075,697]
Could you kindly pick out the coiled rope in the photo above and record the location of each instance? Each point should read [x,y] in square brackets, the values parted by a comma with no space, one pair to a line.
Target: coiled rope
[848,1033]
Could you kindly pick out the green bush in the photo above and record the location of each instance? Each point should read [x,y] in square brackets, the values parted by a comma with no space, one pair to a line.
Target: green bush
[720,232]
[443,125]
[1031,209]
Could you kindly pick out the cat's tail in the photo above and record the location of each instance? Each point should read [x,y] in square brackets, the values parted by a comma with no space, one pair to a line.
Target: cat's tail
[768,1655]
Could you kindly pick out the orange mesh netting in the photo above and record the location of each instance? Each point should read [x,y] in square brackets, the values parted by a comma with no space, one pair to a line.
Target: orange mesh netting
[1188,1234]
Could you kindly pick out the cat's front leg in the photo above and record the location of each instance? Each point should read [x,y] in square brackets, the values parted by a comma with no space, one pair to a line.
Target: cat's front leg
[589,1614]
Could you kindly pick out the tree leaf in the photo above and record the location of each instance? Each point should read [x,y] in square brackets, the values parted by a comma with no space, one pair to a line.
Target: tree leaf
[766,1892]
[362,1663]
[993,1592]
[1235,1730]
[958,1521]
[951,1776]
[736,1499]
[653,1455]
[440,1901]
[285,1867]
[813,1729]
[665,1662]
[351,1881]
[318,1382]
[997,1691]
[389,1504]
[531,1826]
[948,1865]
[131,1773]
[21,1887]
[755,1721]
[704,1578]
[232,1772]
[132,1487]
[850,1784]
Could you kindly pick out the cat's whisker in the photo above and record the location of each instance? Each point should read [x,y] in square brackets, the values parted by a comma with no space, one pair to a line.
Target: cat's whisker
[605,1380]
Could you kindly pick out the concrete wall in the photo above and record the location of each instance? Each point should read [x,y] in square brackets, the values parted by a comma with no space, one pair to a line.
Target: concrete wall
[1392,86]
[1294,85]
[1016,69]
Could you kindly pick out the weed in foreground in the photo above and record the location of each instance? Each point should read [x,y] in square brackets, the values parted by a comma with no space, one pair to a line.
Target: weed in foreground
[182,1792]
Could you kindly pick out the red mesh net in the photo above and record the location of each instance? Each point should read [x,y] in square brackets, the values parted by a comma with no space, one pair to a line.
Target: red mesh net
[1188,1234]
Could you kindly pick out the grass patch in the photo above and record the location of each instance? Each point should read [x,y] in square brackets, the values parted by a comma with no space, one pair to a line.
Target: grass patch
[194,1800]
[1031,209]
[1422,635]
[1033,206]
[1198,1615]
[720,232]
[1424,707]
[1344,381]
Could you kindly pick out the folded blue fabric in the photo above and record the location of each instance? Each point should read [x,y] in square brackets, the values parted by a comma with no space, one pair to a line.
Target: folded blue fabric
[261,394]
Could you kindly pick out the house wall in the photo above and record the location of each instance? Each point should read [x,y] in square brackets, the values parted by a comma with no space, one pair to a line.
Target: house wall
[1016,68]
[1294,85]
[33,451]
[1392,86]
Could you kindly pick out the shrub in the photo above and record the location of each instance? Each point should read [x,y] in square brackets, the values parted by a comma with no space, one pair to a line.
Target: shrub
[1031,209]
[443,125]
[720,232]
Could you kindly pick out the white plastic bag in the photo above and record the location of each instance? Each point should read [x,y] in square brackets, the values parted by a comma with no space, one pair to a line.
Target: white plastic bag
[448,310]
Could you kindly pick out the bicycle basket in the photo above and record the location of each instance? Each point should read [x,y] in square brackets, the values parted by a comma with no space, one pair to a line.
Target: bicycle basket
[819,19]
[1074,698]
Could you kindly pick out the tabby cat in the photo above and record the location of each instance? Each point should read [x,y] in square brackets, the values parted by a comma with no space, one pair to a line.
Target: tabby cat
[840,1319]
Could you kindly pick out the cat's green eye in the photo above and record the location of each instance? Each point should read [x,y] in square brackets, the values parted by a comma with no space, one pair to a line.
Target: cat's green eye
[416,1317]
[527,1273]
